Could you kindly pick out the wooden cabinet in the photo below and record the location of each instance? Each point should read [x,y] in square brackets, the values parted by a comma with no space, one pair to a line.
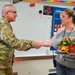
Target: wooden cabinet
[15,73]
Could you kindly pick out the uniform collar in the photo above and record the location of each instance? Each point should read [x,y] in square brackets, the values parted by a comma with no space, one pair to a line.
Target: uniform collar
[7,22]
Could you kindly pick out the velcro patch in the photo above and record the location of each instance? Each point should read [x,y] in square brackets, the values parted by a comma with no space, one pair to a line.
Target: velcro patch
[7,31]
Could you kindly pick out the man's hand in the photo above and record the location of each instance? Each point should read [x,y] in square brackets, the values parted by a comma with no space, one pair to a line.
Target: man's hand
[38,44]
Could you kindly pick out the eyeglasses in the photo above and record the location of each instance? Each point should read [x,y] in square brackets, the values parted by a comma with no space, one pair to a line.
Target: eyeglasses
[13,12]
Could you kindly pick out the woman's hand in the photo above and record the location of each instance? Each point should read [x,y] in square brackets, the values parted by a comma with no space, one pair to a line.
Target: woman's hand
[72,55]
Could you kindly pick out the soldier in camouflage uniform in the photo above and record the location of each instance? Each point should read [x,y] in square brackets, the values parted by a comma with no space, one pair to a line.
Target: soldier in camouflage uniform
[9,42]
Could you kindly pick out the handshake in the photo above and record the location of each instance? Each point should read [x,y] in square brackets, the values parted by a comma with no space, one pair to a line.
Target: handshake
[39,44]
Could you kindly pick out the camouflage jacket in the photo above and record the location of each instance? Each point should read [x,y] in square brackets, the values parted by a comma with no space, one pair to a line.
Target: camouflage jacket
[9,42]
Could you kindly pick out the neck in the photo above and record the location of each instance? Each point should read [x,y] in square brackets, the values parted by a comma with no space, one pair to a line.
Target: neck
[69,30]
[69,27]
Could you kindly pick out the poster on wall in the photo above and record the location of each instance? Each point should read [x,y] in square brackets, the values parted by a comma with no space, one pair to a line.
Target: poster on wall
[56,21]
[47,10]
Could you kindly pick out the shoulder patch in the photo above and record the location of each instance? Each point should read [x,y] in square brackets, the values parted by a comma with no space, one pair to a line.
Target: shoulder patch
[7,31]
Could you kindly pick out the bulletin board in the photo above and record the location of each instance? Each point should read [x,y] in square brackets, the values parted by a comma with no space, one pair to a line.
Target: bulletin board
[56,22]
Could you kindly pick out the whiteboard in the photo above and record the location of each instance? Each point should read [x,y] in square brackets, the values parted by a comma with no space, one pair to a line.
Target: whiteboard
[31,25]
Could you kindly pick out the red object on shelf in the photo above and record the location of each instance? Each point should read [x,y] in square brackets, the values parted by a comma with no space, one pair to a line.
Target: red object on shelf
[32,4]
[72,2]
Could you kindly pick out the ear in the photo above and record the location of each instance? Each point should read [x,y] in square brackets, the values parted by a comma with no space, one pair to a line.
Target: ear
[70,18]
[6,13]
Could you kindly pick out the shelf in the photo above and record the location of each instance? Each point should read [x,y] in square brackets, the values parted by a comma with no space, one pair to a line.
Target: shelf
[47,2]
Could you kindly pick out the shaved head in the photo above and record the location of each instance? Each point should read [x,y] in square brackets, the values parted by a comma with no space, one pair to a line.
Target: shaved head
[7,8]
[9,12]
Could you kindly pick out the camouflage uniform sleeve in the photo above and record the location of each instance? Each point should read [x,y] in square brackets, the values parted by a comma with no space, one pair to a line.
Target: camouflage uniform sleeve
[10,39]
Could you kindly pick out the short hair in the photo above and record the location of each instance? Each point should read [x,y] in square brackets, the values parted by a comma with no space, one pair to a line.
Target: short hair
[3,9]
[7,5]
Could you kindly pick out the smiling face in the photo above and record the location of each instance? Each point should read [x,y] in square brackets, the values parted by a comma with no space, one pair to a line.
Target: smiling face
[68,17]
[10,13]
[65,18]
